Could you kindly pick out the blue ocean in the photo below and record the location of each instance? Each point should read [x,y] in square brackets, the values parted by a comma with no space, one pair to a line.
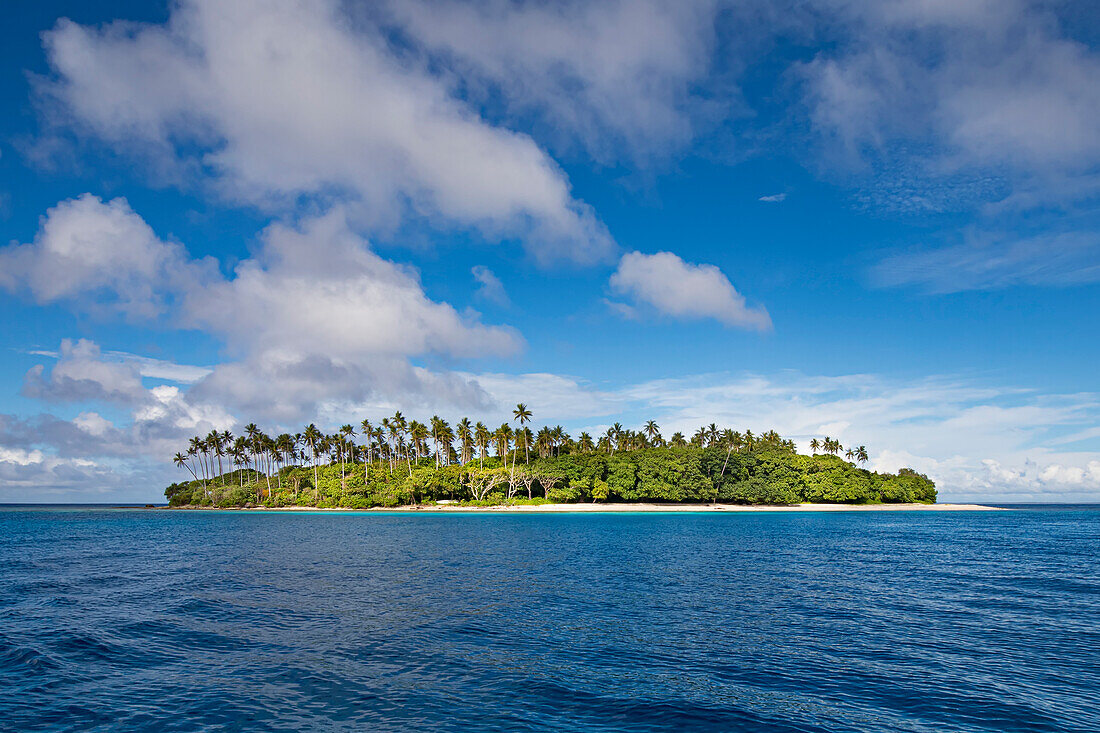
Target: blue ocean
[128,619]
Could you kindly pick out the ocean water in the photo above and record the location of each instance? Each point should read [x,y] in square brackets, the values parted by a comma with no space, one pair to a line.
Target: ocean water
[114,619]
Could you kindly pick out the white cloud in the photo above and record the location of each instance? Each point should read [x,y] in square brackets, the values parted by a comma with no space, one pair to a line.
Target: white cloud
[491,288]
[20,457]
[288,99]
[986,263]
[162,369]
[989,108]
[684,290]
[774,198]
[95,253]
[313,316]
[319,289]
[317,317]
[976,441]
[617,78]
[93,423]
[551,397]
[1005,86]
[81,375]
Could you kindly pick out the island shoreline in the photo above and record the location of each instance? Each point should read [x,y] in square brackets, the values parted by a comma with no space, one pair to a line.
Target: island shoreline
[638,508]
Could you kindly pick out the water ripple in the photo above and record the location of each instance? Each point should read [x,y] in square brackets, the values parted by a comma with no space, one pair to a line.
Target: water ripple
[172,621]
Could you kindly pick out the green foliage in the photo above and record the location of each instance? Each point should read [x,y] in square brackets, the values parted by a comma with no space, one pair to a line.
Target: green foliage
[769,474]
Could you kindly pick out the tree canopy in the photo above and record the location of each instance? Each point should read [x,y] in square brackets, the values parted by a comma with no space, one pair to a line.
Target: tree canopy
[399,461]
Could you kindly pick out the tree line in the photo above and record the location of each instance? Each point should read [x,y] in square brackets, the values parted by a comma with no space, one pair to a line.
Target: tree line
[397,461]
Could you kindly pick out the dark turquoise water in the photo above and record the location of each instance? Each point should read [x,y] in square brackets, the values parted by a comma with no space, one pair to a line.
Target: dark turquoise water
[181,621]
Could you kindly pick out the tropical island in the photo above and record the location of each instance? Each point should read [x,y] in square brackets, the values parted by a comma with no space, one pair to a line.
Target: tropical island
[400,462]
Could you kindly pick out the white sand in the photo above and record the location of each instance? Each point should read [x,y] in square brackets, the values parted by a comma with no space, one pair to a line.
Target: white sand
[562,508]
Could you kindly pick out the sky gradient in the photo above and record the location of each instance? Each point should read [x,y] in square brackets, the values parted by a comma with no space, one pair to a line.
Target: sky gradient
[875,221]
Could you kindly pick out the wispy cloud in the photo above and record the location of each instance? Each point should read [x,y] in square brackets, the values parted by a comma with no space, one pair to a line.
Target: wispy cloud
[986,263]
[775,198]
[491,288]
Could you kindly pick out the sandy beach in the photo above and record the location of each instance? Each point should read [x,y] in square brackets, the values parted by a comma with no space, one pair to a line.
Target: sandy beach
[619,508]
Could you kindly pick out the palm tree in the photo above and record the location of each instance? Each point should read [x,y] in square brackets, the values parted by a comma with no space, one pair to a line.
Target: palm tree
[815,444]
[284,447]
[464,431]
[729,438]
[240,454]
[214,442]
[181,462]
[849,454]
[861,454]
[608,440]
[379,441]
[312,437]
[503,438]
[482,437]
[418,436]
[544,441]
[558,438]
[678,440]
[196,450]
[521,415]
[399,425]
[585,444]
[346,434]
[652,430]
[446,439]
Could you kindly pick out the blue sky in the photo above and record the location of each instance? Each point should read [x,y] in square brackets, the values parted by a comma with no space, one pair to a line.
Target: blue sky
[872,220]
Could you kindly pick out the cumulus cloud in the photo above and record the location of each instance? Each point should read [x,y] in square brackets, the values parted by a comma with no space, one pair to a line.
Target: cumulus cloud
[314,315]
[96,253]
[283,100]
[319,317]
[684,290]
[90,458]
[318,288]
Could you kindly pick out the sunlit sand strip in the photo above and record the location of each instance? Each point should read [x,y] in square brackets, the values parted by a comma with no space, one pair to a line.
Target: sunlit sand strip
[641,508]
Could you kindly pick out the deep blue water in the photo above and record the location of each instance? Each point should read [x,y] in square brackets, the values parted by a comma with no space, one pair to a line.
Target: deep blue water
[185,621]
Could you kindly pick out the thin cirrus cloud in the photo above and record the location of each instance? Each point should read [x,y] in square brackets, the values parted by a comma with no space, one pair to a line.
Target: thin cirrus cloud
[1057,260]
[1006,88]
[681,289]
[987,108]
[333,113]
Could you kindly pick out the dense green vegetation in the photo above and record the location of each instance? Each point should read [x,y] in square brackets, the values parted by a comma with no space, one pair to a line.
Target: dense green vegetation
[408,462]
